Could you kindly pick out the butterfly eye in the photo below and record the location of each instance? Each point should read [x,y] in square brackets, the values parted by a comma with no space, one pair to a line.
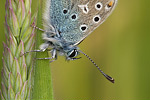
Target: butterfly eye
[83,28]
[73,53]
[96,18]
[74,17]
[98,6]
[65,11]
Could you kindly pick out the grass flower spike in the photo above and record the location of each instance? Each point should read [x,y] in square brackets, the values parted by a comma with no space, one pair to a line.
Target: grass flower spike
[17,71]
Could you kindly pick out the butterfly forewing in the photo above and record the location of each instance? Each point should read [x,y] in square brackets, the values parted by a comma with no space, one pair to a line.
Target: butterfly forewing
[96,16]
[76,19]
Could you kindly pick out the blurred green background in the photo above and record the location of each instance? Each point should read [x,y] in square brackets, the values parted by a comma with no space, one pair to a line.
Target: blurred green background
[120,46]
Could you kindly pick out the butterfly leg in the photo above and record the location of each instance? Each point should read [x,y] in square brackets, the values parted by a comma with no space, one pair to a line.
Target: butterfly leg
[54,56]
[43,47]
[53,33]
[41,50]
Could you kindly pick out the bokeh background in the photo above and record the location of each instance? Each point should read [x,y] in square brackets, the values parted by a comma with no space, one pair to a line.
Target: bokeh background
[120,46]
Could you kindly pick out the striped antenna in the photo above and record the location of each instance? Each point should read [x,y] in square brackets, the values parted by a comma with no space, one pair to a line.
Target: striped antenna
[105,75]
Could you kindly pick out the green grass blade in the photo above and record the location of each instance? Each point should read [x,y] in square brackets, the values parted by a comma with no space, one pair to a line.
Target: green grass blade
[43,89]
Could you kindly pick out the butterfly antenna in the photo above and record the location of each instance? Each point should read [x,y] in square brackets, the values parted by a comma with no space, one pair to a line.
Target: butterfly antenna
[105,75]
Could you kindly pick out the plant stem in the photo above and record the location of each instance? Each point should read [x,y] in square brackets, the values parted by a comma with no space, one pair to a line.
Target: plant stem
[43,89]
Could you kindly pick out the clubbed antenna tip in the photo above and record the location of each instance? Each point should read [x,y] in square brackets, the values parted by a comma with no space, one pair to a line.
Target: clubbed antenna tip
[105,75]
[109,78]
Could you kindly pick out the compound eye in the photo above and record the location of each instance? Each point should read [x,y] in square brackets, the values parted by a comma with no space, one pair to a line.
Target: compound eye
[72,53]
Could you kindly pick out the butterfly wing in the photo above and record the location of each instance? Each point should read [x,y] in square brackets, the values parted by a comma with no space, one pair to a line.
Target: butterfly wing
[76,19]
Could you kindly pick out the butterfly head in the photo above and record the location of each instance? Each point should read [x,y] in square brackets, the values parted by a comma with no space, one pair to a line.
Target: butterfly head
[71,53]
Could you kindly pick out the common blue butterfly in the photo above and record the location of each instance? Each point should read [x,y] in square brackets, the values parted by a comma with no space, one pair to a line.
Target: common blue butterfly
[68,22]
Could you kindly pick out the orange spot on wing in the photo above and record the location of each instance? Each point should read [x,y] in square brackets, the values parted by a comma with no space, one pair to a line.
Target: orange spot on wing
[110,3]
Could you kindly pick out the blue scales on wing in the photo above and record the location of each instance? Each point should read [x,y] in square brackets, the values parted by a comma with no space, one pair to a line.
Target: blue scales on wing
[76,19]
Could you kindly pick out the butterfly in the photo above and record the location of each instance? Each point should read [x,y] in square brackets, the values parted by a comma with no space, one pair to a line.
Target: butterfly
[68,22]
